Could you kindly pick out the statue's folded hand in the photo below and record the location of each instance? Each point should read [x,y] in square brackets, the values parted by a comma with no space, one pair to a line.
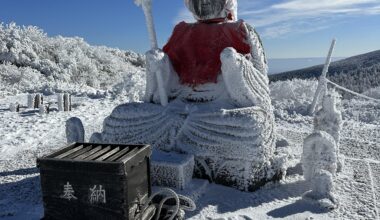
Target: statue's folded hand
[158,75]
[231,57]
[245,84]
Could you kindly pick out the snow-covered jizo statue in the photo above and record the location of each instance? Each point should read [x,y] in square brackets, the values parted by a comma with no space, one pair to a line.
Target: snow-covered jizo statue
[214,72]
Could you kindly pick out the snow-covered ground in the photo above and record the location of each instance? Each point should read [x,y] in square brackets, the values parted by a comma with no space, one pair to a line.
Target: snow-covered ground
[27,135]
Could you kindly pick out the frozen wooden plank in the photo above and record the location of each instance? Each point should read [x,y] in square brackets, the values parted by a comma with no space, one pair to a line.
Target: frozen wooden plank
[118,154]
[96,149]
[129,155]
[105,156]
[98,154]
[75,154]
[69,152]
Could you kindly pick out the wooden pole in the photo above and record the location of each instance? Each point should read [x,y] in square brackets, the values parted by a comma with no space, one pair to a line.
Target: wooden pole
[322,84]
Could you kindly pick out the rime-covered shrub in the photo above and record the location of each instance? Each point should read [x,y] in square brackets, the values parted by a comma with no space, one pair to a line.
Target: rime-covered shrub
[32,61]
[374,93]
[292,96]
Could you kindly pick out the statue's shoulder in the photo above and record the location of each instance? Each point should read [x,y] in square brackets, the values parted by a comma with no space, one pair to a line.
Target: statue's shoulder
[249,28]
[251,31]
[183,24]
[242,26]
[179,31]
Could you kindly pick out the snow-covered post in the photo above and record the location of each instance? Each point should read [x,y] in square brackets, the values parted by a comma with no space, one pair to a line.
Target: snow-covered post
[31,100]
[42,109]
[37,101]
[60,102]
[147,8]
[13,107]
[322,85]
[66,102]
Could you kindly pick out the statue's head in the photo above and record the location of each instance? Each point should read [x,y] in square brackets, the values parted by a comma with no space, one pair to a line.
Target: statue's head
[331,100]
[211,9]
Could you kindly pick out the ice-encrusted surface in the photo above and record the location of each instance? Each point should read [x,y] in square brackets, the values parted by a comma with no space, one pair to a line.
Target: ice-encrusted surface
[26,135]
[171,169]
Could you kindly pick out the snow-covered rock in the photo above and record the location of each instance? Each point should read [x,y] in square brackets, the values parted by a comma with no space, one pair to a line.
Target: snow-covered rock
[171,169]
[42,109]
[74,130]
[13,107]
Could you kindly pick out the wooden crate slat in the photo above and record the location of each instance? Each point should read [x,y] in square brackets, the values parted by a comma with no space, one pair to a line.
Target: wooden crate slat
[98,154]
[129,154]
[118,154]
[69,152]
[73,155]
[110,153]
[96,149]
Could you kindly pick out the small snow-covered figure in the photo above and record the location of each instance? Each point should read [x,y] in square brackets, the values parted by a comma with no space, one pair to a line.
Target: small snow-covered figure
[214,72]
[319,164]
[329,119]
[319,153]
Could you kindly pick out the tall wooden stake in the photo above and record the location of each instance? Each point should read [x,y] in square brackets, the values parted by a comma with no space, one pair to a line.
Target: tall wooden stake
[322,84]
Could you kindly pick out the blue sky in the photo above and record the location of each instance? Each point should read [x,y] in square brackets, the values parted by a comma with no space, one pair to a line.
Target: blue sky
[289,28]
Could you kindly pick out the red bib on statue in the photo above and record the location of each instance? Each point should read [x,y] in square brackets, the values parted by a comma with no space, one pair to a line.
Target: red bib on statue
[194,49]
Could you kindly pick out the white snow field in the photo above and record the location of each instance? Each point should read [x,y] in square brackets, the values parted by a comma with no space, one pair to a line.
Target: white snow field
[27,135]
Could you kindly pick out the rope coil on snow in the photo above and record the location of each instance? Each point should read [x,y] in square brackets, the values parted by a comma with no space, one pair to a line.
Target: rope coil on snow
[352,92]
[170,194]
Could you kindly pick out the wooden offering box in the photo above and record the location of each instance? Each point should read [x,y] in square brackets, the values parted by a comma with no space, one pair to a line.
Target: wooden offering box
[95,181]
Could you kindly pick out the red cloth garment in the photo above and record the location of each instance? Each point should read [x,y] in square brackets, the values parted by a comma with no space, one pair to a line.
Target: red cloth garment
[194,49]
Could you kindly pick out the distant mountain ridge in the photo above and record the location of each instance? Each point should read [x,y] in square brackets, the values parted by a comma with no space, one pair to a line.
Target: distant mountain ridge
[358,73]
[280,65]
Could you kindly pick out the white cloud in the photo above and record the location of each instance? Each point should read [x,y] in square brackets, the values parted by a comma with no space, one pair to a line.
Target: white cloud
[280,19]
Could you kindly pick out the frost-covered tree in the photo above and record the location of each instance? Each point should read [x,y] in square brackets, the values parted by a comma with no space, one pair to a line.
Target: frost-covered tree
[32,61]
